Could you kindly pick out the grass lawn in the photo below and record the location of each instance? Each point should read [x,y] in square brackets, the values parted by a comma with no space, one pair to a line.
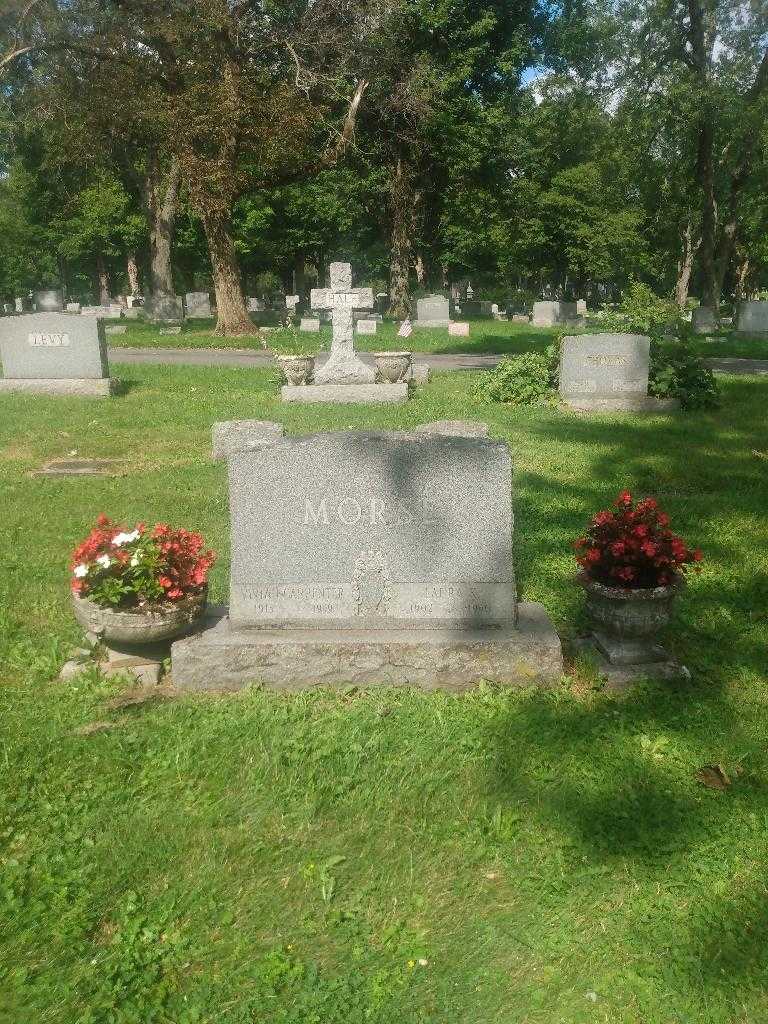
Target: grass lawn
[386,857]
[487,337]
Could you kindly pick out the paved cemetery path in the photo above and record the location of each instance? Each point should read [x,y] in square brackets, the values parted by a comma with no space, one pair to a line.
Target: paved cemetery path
[256,359]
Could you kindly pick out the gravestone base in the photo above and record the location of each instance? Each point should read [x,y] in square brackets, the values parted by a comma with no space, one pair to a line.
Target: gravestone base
[622,676]
[345,393]
[99,387]
[420,324]
[629,403]
[223,659]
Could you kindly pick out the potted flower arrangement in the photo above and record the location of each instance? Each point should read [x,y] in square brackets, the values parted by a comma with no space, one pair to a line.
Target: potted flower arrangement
[139,585]
[296,365]
[632,569]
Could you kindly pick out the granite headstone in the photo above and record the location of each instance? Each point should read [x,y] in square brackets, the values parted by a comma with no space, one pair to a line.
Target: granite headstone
[752,318]
[433,311]
[607,372]
[198,305]
[54,353]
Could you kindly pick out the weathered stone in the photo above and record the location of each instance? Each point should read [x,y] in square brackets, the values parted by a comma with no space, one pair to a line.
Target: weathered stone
[752,318]
[343,366]
[309,325]
[255,305]
[547,313]
[72,669]
[605,372]
[50,301]
[703,320]
[346,394]
[102,311]
[433,311]
[115,329]
[165,308]
[221,658]
[244,436]
[419,373]
[458,330]
[520,318]
[367,326]
[73,307]
[478,308]
[198,305]
[581,307]
[54,353]
[168,331]
[78,467]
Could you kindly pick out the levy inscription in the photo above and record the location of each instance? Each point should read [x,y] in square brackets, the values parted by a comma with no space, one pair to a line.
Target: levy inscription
[49,340]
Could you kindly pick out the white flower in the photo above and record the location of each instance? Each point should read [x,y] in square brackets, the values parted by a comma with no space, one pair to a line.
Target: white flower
[125,538]
[81,571]
[134,561]
[104,560]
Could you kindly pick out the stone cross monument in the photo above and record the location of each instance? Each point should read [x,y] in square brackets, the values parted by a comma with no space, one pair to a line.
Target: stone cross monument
[343,366]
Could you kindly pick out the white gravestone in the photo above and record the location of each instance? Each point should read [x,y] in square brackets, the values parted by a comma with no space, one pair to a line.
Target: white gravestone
[367,326]
[343,365]
[459,330]
[309,325]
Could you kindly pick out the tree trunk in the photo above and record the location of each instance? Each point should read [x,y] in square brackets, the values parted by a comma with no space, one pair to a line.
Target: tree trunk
[230,301]
[132,269]
[743,270]
[701,37]
[102,276]
[299,275]
[421,270]
[161,195]
[685,266]
[401,256]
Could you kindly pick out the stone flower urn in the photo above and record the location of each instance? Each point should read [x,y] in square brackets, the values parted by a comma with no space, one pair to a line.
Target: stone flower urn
[627,621]
[297,370]
[392,367]
[134,627]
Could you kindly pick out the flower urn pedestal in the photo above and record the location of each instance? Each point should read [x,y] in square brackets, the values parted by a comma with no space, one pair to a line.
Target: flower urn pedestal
[298,371]
[626,623]
[131,642]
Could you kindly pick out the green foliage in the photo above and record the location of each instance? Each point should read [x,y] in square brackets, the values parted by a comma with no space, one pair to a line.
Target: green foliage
[641,311]
[677,371]
[522,380]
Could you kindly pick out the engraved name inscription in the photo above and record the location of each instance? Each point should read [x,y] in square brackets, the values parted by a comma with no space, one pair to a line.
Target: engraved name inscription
[49,340]
[582,387]
[606,360]
[348,511]
[629,385]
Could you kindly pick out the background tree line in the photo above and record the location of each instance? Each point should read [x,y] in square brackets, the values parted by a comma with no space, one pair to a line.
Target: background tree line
[157,146]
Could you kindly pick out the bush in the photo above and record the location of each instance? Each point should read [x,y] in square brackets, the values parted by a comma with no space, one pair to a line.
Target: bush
[526,379]
[641,311]
[676,371]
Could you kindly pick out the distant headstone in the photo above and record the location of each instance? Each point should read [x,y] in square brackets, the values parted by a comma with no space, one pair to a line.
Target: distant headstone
[73,307]
[292,301]
[8,308]
[459,330]
[703,320]
[604,372]
[520,318]
[309,325]
[549,312]
[367,326]
[198,305]
[752,318]
[165,308]
[115,310]
[478,308]
[95,311]
[433,311]
[370,559]
[23,304]
[581,307]
[254,305]
[54,354]
[50,301]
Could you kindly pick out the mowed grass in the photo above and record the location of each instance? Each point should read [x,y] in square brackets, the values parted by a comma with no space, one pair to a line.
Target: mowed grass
[387,856]
[488,337]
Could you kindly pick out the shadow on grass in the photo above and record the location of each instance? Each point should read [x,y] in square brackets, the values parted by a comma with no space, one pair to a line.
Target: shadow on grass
[123,386]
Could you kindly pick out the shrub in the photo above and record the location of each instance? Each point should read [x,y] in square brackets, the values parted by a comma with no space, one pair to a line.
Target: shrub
[631,545]
[641,311]
[676,371]
[521,380]
[140,568]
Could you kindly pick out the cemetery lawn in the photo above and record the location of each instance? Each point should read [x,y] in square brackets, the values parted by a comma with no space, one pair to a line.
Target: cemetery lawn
[386,857]
[488,337]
